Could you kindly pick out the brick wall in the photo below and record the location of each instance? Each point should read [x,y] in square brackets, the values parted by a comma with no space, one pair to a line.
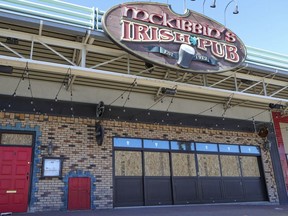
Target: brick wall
[74,140]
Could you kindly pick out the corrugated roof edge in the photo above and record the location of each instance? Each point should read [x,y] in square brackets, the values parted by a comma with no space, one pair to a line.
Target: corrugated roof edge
[257,59]
[34,22]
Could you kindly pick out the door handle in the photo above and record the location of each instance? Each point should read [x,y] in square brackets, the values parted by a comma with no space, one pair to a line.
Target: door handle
[11,191]
[27,176]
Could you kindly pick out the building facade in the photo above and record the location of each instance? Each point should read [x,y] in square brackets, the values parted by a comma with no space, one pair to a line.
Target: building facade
[85,125]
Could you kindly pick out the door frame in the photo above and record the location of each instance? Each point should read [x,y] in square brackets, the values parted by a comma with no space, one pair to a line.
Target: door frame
[33,165]
[90,191]
[196,153]
[76,174]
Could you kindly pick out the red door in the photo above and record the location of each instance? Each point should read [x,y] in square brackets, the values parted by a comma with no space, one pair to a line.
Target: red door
[14,178]
[79,193]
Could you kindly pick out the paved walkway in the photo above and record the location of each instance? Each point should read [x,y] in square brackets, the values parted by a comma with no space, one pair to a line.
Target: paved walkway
[191,210]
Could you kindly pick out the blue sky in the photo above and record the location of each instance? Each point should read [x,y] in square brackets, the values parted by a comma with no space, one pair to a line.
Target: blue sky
[260,23]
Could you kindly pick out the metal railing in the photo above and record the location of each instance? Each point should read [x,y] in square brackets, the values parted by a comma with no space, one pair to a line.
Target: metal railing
[267,58]
[90,18]
[55,11]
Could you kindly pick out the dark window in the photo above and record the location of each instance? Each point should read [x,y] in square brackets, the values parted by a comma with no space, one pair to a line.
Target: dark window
[229,148]
[156,144]
[206,147]
[250,149]
[184,146]
[127,142]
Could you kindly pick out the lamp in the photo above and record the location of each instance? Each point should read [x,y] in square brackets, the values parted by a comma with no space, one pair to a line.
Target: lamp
[276,106]
[168,91]
[149,67]
[13,41]
[213,5]
[267,145]
[50,148]
[6,69]
[236,11]
[100,109]
[263,131]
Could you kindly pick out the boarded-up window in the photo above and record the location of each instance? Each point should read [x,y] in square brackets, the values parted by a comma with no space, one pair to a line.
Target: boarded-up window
[250,167]
[208,165]
[16,139]
[128,163]
[183,164]
[230,165]
[157,164]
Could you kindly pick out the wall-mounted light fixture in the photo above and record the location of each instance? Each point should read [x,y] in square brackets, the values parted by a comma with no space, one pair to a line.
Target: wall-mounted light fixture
[50,148]
[276,106]
[100,108]
[13,41]
[149,67]
[6,69]
[168,91]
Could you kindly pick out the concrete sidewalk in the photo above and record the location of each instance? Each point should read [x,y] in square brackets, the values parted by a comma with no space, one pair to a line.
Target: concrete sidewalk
[191,210]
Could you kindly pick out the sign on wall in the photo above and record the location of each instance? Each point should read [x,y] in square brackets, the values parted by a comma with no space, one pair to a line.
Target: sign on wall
[190,42]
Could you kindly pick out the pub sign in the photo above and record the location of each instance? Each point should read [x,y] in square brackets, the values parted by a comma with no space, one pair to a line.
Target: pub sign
[191,42]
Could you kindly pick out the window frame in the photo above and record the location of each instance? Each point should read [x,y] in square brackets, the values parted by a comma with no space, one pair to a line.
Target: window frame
[208,152]
[60,167]
[227,152]
[32,133]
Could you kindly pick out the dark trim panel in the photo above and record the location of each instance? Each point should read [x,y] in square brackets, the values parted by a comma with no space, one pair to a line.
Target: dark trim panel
[63,108]
[278,173]
[128,191]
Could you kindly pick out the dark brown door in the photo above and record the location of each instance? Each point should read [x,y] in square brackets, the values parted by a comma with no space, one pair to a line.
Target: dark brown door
[185,181]
[128,180]
[157,179]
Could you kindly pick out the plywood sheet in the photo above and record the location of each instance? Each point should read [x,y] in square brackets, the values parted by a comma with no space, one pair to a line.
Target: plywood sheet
[250,167]
[230,165]
[128,163]
[183,164]
[208,165]
[157,164]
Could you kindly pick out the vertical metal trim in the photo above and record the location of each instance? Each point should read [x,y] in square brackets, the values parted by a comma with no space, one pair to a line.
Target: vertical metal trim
[278,173]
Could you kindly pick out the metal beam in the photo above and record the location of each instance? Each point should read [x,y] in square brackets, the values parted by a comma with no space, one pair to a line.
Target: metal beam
[282,89]
[128,78]
[57,53]
[251,86]
[61,42]
[11,50]
[223,80]
[117,53]
[255,78]
[107,62]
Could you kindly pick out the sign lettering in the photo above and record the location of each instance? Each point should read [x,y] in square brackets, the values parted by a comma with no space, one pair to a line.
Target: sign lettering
[156,34]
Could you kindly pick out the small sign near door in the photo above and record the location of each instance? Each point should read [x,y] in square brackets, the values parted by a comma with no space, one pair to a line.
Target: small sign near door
[52,167]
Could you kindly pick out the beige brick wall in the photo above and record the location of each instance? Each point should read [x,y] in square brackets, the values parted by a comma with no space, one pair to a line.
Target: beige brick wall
[74,139]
